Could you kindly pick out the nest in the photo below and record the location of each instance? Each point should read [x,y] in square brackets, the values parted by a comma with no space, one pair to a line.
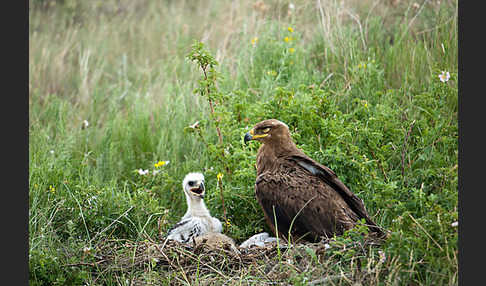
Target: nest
[174,255]
[223,262]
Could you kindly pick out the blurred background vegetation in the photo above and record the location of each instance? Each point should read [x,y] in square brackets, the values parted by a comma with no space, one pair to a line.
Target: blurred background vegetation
[357,82]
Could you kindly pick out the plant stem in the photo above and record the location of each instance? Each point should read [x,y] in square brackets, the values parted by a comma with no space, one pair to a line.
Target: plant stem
[212,108]
[220,184]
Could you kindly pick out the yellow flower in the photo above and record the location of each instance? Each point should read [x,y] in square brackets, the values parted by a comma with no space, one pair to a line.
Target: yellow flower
[290,29]
[366,104]
[228,223]
[219,176]
[161,163]
[254,41]
[291,50]
[52,189]
[286,39]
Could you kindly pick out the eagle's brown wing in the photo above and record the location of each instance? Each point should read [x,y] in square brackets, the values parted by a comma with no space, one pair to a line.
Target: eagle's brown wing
[302,202]
[330,178]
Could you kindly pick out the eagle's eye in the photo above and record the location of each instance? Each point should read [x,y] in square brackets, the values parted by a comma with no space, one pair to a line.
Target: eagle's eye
[191,183]
[266,130]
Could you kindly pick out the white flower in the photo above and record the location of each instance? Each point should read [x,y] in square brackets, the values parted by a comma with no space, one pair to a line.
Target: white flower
[155,172]
[444,76]
[85,123]
[327,246]
[291,6]
[142,172]
[382,256]
[194,125]
[454,224]
[86,249]
[52,151]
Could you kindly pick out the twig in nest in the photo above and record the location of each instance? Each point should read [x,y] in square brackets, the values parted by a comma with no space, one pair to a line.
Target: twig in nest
[161,252]
[84,263]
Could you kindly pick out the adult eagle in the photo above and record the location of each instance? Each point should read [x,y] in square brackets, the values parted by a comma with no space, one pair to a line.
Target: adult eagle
[305,196]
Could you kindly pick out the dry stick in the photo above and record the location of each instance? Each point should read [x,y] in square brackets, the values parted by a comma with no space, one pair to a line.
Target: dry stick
[325,27]
[84,263]
[106,228]
[326,79]
[356,19]
[215,270]
[411,21]
[183,272]
[404,146]
[165,256]
[445,237]
[194,257]
[426,232]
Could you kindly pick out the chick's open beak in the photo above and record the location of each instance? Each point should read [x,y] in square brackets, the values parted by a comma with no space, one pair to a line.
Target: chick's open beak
[199,190]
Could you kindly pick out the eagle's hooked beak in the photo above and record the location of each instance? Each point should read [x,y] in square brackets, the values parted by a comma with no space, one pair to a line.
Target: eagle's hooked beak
[248,136]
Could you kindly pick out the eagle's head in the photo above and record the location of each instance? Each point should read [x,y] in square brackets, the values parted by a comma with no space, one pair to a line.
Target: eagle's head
[269,131]
[193,185]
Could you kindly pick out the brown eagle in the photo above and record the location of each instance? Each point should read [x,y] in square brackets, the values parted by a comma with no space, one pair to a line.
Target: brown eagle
[298,193]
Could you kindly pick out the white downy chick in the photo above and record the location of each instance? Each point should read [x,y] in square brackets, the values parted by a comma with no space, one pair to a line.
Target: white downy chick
[197,220]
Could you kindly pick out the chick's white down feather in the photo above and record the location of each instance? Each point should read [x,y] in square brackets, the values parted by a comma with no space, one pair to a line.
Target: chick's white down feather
[197,220]
[260,240]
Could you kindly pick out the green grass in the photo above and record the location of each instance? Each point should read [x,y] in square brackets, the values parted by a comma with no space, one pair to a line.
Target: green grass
[360,93]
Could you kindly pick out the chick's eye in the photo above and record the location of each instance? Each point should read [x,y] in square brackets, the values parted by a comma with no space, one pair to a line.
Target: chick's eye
[266,130]
[191,183]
